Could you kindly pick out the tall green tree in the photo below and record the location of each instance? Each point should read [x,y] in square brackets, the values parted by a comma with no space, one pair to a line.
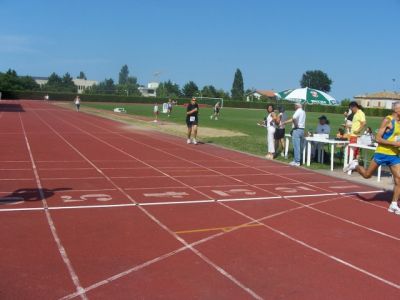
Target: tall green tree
[168,89]
[237,90]
[123,75]
[68,84]
[209,91]
[316,79]
[82,75]
[190,89]
[10,81]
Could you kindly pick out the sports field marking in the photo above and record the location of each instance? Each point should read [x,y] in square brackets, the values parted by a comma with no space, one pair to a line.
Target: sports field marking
[162,225]
[332,257]
[350,222]
[327,254]
[225,229]
[61,249]
[196,243]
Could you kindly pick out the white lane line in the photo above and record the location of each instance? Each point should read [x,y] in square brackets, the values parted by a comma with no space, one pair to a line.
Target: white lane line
[152,217]
[50,221]
[317,250]
[351,222]
[175,202]
[196,243]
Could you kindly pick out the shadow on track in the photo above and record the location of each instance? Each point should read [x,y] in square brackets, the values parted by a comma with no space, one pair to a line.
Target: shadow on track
[28,194]
[11,107]
[385,196]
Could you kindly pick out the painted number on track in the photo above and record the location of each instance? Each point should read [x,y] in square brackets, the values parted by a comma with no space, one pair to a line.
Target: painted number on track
[96,197]
[292,190]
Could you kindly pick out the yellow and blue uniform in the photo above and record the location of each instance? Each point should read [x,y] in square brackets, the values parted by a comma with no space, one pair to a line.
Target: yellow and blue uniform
[387,154]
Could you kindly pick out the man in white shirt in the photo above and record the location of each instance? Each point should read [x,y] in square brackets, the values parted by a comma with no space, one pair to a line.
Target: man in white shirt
[298,122]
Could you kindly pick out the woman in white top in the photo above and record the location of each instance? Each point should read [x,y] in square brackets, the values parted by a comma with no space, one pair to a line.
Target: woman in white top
[270,123]
[77,103]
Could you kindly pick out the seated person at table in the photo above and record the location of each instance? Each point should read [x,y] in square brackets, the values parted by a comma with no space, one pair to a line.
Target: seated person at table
[322,128]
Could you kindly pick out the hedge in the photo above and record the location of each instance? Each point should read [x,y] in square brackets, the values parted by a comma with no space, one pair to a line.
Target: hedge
[39,95]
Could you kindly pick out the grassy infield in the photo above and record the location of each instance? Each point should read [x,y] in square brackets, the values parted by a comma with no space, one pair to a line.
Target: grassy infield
[241,120]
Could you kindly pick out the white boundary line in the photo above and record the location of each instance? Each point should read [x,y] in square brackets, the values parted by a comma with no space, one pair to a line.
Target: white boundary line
[194,250]
[50,221]
[319,251]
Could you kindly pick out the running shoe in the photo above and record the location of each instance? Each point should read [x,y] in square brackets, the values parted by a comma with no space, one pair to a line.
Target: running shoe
[394,208]
[351,166]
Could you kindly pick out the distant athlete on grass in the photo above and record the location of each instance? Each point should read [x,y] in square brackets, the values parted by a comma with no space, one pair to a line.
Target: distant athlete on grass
[192,121]
[386,154]
[77,102]
[216,110]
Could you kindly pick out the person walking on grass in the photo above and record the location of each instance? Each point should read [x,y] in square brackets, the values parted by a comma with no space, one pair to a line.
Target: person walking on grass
[217,108]
[298,124]
[155,112]
[192,121]
[386,154]
[77,102]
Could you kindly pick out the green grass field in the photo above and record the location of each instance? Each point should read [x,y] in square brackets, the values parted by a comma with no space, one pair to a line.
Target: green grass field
[241,120]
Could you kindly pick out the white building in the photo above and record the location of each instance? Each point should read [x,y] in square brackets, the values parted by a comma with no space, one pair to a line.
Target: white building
[378,100]
[150,90]
[81,84]
[258,94]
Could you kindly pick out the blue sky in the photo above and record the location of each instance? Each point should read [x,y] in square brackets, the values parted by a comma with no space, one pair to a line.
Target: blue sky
[272,42]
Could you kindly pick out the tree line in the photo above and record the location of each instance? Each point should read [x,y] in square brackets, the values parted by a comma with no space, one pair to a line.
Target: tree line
[128,85]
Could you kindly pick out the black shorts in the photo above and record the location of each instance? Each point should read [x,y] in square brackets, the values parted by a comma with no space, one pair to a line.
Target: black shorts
[216,110]
[191,123]
[279,133]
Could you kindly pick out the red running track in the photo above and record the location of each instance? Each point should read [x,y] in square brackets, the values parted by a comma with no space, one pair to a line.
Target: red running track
[93,209]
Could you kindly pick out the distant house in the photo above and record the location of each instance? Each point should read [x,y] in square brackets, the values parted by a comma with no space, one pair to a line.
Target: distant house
[81,84]
[378,100]
[259,94]
[150,90]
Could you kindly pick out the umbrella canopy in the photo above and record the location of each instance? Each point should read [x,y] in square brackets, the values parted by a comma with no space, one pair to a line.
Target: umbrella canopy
[307,95]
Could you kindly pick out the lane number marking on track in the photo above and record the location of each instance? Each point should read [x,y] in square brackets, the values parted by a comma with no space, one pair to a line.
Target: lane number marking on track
[293,190]
[96,197]
[167,194]
[230,192]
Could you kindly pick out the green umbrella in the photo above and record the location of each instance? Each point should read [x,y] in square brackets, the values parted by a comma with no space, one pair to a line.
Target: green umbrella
[307,95]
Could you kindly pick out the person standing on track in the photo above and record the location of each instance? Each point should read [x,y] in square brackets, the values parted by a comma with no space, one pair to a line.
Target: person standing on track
[386,154]
[77,102]
[299,122]
[192,121]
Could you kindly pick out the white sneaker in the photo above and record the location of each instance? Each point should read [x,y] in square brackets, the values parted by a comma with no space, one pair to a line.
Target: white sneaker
[211,117]
[194,141]
[394,208]
[188,141]
[293,163]
[351,166]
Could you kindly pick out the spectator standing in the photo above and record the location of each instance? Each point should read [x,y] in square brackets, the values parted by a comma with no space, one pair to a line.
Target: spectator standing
[298,121]
[270,124]
[357,125]
[280,131]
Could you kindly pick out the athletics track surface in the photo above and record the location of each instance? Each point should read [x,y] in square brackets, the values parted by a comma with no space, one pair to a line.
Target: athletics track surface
[90,209]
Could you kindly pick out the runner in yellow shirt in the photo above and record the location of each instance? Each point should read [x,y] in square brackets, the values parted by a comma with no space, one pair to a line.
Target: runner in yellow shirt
[386,154]
[357,125]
